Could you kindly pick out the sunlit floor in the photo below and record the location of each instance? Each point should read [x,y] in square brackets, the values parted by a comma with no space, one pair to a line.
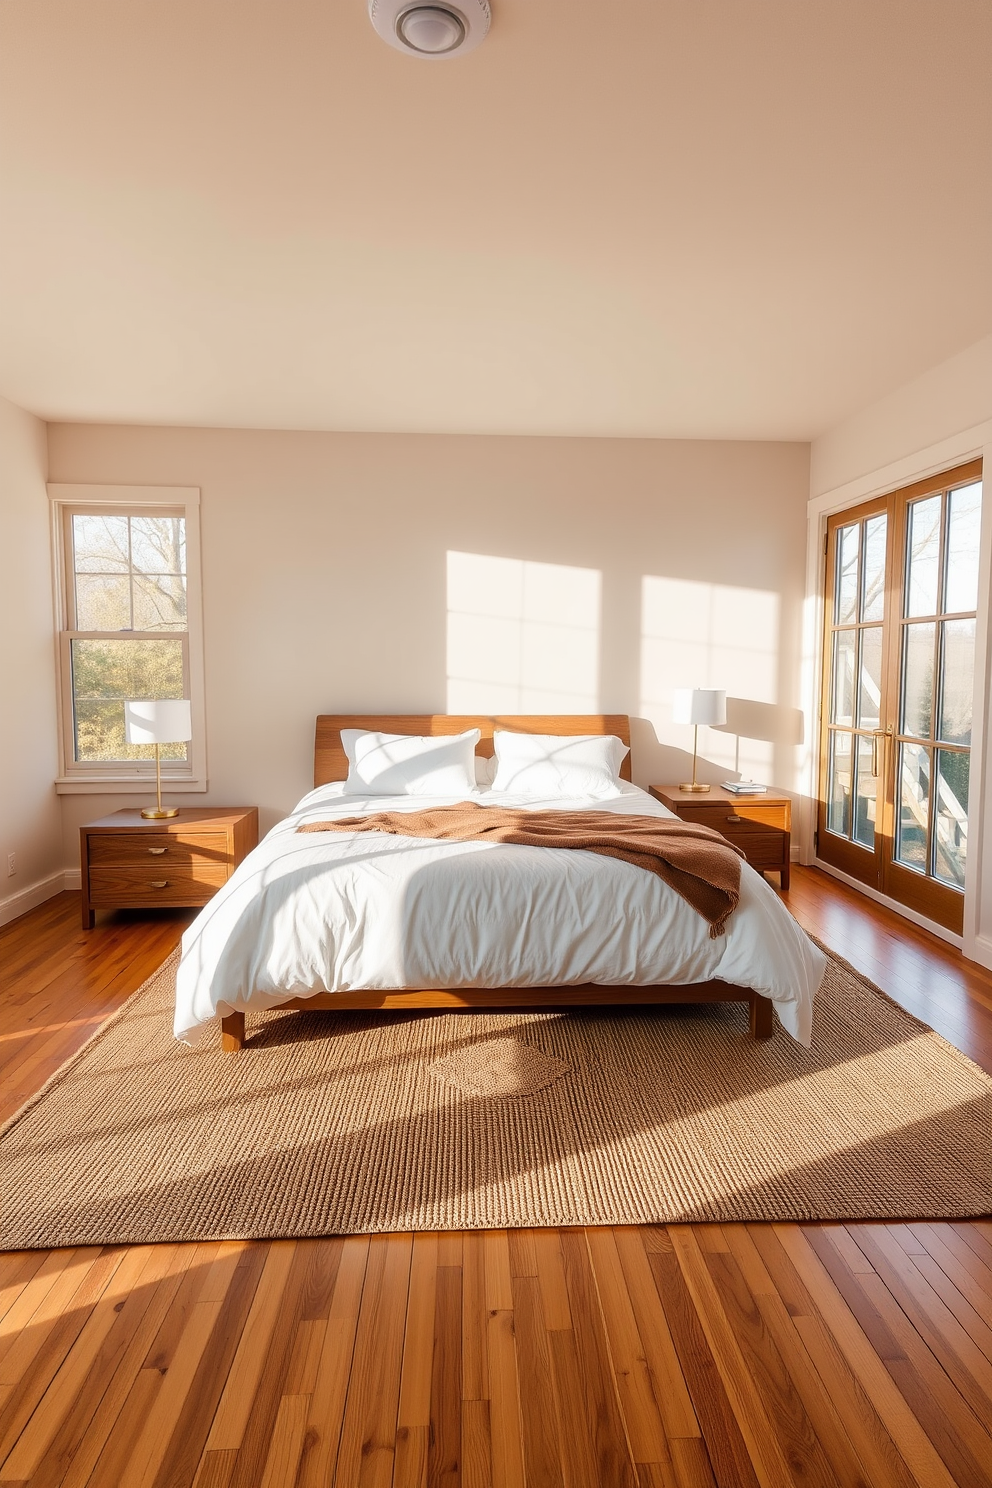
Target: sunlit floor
[686,1355]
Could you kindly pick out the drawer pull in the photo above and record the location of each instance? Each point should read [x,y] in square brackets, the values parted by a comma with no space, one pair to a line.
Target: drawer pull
[158,883]
[733,818]
[157,850]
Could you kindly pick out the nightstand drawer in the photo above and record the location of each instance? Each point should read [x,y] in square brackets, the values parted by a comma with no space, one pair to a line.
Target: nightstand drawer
[189,883]
[762,849]
[742,820]
[762,846]
[143,848]
[776,818]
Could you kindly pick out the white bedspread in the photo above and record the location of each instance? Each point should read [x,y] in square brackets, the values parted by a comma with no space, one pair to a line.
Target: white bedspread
[329,912]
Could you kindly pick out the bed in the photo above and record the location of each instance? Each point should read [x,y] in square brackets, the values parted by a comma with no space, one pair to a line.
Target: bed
[291,928]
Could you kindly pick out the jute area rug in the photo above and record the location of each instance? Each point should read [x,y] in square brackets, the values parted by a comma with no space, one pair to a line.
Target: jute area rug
[338,1123]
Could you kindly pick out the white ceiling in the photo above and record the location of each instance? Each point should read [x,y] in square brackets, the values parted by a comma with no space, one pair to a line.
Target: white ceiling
[702,218]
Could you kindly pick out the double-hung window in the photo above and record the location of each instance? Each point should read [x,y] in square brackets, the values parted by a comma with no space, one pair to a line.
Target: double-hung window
[128,568]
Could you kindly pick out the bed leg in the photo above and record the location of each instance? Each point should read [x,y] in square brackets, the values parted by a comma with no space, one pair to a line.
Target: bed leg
[762,1020]
[232,1032]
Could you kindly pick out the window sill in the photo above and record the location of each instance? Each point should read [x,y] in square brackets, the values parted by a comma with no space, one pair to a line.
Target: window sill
[124,785]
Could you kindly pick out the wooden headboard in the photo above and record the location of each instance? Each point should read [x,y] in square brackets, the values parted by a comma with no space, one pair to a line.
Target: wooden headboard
[330,762]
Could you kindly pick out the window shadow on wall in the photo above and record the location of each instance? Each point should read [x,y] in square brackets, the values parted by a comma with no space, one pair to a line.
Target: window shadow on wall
[525,636]
[522,637]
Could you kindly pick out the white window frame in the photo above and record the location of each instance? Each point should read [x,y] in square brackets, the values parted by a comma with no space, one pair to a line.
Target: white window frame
[121,777]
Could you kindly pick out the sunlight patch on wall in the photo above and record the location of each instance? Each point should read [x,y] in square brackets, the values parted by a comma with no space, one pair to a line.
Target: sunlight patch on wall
[522,637]
[709,635]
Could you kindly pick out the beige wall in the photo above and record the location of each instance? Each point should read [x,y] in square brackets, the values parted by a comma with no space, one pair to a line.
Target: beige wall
[326,585]
[29,808]
[949,398]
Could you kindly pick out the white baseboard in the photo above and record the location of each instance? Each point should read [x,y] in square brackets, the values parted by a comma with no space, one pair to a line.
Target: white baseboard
[17,904]
[893,904]
[73,878]
[982,951]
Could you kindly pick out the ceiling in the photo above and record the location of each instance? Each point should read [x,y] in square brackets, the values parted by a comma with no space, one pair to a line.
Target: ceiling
[673,218]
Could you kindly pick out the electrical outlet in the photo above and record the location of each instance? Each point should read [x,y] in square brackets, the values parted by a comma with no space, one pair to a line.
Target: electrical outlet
[11,864]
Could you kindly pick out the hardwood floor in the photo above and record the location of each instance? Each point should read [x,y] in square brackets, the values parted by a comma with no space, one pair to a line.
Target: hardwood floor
[680,1355]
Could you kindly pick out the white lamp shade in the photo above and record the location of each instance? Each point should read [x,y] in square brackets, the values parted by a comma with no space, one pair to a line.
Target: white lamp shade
[699,705]
[157,721]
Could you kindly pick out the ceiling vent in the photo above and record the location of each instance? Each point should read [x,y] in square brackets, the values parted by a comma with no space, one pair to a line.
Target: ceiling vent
[432,32]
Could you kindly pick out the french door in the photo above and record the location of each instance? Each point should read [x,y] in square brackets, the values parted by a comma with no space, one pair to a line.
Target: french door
[900,607]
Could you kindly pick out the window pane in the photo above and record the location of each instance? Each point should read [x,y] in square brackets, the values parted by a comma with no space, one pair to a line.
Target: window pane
[864,807]
[870,686]
[924,553]
[846,598]
[873,590]
[159,602]
[917,679]
[103,602]
[842,707]
[158,545]
[104,674]
[956,678]
[963,532]
[99,544]
[914,802]
[839,787]
[951,845]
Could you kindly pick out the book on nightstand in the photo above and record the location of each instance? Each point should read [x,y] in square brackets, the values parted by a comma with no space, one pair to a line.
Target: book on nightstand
[744,787]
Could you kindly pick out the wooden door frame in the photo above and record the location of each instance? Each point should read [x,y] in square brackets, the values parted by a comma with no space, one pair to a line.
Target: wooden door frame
[879,868]
[972,443]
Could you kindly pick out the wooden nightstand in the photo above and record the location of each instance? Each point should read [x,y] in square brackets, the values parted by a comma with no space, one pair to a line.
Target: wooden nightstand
[130,863]
[761,826]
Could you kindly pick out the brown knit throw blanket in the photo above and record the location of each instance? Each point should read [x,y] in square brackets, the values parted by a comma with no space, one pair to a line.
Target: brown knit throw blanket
[695,861]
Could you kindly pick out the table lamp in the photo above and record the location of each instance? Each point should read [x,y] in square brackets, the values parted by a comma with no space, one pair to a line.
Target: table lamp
[698,705]
[157,721]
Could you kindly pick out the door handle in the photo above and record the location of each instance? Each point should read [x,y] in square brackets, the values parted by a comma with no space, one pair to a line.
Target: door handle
[878,734]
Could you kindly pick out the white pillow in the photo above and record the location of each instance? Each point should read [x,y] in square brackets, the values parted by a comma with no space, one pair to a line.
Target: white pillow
[409,764]
[559,764]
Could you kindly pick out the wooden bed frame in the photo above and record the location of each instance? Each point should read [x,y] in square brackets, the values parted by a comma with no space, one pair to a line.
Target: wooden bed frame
[330,763]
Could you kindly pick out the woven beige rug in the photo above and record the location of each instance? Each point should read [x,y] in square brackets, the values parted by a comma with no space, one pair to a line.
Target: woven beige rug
[331,1123]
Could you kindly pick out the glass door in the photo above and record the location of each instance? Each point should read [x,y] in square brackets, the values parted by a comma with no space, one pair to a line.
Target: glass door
[899,645]
[849,832]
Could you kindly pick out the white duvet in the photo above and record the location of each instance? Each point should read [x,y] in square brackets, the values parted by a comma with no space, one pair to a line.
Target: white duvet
[329,912]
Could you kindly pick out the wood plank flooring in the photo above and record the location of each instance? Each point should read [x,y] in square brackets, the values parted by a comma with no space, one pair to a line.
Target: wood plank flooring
[670,1357]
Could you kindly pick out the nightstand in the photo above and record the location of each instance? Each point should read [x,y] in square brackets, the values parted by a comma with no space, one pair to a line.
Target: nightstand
[761,826]
[129,862]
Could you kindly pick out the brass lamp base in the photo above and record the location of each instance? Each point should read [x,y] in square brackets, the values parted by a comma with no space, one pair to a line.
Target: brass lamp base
[693,784]
[158,812]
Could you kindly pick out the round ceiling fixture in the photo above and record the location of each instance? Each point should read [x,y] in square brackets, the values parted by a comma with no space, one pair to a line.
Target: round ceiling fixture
[432,32]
